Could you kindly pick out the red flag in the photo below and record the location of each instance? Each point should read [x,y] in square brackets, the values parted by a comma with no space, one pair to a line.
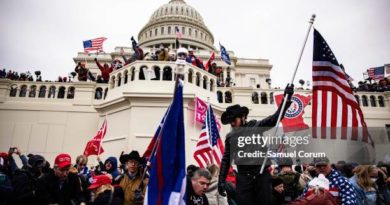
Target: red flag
[94,145]
[208,64]
[293,119]
[200,112]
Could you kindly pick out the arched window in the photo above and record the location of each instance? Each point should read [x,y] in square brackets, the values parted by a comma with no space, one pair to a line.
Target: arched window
[98,93]
[42,91]
[71,92]
[126,73]
[263,97]
[167,73]
[112,82]
[105,93]
[132,73]
[198,79]
[219,96]
[23,91]
[119,77]
[14,91]
[364,101]
[190,74]
[373,101]
[212,85]
[52,92]
[33,91]
[228,97]
[271,98]
[205,80]
[381,101]
[255,98]
[61,92]
[141,75]
[357,99]
[156,71]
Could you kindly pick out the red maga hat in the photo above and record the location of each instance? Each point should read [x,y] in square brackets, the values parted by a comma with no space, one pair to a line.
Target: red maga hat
[100,180]
[62,161]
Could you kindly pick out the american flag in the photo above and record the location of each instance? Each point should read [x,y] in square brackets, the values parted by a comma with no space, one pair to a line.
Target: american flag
[179,35]
[336,113]
[209,149]
[377,73]
[94,44]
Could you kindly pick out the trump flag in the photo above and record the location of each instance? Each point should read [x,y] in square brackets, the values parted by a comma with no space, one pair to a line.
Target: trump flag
[293,119]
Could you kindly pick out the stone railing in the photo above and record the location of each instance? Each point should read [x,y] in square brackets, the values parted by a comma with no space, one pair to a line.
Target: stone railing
[161,71]
[232,95]
[61,91]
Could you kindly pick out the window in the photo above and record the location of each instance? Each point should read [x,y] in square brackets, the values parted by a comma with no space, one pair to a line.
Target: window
[255,98]
[169,30]
[98,93]
[196,33]
[201,35]
[271,98]
[252,82]
[61,93]
[23,91]
[189,31]
[155,32]
[373,101]
[381,101]
[70,94]
[162,30]
[219,96]
[228,97]
[33,91]
[364,101]
[183,30]
[14,90]
[264,99]
[42,92]
[150,34]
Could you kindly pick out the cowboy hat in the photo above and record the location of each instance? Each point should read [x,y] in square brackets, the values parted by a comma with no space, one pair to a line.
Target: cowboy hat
[232,112]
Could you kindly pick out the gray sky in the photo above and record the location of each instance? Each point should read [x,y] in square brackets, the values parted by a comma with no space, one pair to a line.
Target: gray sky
[46,34]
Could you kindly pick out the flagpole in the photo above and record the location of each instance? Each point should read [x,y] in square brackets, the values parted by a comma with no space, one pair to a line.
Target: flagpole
[100,143]
[291,82]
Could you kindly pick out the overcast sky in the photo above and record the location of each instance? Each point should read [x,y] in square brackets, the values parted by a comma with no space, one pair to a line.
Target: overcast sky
[46,34]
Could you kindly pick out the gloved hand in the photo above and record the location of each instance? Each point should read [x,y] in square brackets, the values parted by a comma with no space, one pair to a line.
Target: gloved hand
[289,90]
[222,188]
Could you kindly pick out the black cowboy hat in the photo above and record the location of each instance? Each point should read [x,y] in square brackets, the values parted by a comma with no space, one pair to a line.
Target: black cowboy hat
[133,155]
[232,112]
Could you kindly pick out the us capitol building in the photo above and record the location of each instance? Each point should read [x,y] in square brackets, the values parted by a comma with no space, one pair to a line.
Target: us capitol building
[47,123]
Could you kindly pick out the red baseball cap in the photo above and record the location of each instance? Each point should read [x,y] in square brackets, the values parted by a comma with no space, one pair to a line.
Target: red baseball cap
[62,161]
[100,180]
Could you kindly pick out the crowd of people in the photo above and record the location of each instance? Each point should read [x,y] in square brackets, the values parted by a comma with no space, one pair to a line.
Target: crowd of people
[380,86]
[122,181]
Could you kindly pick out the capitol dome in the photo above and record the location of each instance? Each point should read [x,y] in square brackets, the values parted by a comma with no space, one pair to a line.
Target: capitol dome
[161,28]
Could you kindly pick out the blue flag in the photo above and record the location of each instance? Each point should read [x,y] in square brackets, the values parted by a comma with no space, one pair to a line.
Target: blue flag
[224,55]
[167,181]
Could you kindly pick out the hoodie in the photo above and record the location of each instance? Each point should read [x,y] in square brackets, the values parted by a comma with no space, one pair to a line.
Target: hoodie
[114,169]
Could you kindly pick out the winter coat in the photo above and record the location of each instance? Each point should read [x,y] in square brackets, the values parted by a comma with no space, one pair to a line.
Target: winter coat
[212,194]
[105,70]
[48,190]
[130,186]
[82,73]
[24,186]
[363,197]
[114,168]
[192,198]
[321,198]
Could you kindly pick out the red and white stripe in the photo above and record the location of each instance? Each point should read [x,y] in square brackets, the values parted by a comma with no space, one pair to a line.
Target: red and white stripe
[205,153]
[97,44]
[336,113]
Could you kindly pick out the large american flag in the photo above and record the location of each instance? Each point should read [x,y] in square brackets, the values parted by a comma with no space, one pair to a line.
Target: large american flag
[94,44]
[209,149]
[335,111]
[377,73]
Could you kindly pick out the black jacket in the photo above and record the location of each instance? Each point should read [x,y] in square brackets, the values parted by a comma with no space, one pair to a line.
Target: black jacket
[48,190]
[23,183]
[192,198]
[263,125]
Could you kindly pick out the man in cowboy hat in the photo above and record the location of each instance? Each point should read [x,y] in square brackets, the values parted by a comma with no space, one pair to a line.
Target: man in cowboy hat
[252,187]
[132,181]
